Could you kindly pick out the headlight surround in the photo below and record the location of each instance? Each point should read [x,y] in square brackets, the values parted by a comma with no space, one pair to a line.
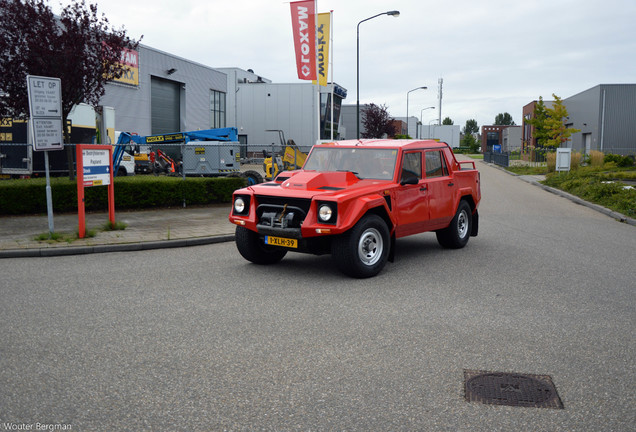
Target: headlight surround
[241,205]
[327,213]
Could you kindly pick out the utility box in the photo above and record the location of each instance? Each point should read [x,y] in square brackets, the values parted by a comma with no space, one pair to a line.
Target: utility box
[211,158]
[563,159]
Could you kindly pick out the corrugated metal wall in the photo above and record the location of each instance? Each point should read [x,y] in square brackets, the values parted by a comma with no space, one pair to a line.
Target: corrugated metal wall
[619,127]
[133,112]
[606,113]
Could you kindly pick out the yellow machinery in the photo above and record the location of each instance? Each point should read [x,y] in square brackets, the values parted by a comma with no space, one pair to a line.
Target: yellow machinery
[292,158]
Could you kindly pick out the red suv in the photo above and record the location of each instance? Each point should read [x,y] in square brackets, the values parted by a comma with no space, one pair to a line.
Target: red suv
[353,199]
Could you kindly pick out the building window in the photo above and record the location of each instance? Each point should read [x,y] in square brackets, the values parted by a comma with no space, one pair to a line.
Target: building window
[217,109]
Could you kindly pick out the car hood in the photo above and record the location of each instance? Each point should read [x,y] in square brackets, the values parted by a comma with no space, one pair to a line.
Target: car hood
[308,184]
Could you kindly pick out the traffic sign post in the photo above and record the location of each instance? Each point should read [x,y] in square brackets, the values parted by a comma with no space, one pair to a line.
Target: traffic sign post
[45,109]
[94,168]
[45,112]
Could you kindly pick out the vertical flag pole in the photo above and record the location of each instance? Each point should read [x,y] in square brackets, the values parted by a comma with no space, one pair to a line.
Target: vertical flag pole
[317,69]
[333,84]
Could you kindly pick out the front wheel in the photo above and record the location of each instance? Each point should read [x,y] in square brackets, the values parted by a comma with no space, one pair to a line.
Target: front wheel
[252,248]
[362,251]
[456,235]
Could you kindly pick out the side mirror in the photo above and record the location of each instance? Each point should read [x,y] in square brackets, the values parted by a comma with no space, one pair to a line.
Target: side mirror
[412,180]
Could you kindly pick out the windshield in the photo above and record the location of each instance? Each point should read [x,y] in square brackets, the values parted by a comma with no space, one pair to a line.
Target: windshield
[366,163]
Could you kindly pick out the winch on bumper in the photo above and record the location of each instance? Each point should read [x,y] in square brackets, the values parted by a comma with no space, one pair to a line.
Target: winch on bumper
[282,221]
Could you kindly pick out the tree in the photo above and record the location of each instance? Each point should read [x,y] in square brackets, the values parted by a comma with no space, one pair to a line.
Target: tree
[504,119]
[538,119]
[550,129]
[377,121]
[471,127]
[469,140]
[79,47]
[557,131]
[447,121]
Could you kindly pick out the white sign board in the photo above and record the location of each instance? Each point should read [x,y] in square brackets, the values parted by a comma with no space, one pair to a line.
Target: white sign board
[96,167]
[45,107]
[563,159]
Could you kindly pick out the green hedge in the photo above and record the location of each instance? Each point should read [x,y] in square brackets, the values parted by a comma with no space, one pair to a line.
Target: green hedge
[28,196]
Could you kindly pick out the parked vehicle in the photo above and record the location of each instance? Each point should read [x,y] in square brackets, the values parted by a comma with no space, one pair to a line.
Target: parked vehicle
[353,199]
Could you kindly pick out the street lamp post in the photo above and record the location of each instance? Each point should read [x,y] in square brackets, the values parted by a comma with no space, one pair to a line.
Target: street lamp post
[407,106]
[422,117]
[393,13]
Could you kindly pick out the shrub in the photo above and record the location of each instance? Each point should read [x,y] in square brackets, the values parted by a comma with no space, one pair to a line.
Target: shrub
[596,158]
[551,161]
[575,162]
[28,196]
[621,161]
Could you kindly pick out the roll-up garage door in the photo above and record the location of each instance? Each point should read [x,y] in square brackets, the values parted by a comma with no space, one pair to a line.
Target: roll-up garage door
[165,103]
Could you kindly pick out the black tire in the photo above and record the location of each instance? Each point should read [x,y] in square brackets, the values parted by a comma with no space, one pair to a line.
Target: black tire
[456,235]
[252,177]
[121,172]
[362,251]
[253,249]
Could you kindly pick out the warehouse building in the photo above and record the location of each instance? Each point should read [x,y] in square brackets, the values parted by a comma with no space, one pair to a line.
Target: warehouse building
[164,93]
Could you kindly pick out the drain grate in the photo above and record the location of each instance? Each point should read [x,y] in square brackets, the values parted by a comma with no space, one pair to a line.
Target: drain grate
[511,389]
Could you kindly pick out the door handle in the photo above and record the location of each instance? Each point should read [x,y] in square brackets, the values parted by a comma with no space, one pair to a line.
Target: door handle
[423,188]
[451,184]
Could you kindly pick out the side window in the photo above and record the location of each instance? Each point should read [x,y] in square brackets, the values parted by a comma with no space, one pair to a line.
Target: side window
[435,164]
[412,166]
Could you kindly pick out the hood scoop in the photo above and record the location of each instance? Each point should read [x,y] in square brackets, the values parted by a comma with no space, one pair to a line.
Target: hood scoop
[307,180]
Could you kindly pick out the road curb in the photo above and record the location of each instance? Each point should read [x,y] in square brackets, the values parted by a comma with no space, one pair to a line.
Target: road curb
[608,212]
[117,247]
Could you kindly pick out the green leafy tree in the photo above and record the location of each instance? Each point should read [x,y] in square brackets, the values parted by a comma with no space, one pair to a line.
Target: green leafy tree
[471,142]
[447,121]
[504,119]
[549,123]
[471,127]
[377,121]
[557,131]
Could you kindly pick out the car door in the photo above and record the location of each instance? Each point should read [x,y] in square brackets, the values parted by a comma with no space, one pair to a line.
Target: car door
[411,199]
[440,189]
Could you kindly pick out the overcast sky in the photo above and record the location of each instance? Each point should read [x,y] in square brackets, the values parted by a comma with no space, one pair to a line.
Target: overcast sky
[494,56]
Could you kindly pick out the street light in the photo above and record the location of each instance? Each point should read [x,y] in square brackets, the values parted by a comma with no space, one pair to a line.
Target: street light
[407,106]
[422,116]
[391,13]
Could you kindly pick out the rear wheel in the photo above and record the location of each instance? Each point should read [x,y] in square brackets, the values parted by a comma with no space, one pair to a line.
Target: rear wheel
[456,235]
[362,252]
[252,177]
[252,248]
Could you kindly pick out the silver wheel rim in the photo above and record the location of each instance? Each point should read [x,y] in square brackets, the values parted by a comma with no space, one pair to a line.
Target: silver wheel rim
[370,247]
[462,224]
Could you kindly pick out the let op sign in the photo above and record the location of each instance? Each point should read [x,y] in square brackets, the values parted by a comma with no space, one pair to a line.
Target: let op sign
[96,167]
[45,106]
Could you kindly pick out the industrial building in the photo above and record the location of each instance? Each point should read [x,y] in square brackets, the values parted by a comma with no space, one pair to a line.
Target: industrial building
[604,114]
[164,93]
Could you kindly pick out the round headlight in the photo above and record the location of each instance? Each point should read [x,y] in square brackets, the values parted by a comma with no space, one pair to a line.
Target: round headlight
[324,213]
[239,205]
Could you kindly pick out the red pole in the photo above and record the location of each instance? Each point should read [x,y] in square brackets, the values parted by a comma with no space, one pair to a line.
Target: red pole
[111,191]
[81,215]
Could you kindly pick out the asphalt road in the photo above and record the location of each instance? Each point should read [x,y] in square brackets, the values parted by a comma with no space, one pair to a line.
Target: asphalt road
[197,339]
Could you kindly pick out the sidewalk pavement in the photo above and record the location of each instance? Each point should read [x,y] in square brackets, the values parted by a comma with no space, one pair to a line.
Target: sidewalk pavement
[154,229]
[146,229]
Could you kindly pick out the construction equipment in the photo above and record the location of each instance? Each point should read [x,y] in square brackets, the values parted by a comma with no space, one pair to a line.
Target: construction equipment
[210,152]
[292,157]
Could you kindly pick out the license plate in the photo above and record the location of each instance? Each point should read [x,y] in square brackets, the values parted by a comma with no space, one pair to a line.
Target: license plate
[281,241]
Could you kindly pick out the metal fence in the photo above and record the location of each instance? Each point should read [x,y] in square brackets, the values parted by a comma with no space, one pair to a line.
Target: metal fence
[501,159]
[198,158]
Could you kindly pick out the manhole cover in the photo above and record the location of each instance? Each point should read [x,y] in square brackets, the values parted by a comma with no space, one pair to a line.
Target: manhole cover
[511,389]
